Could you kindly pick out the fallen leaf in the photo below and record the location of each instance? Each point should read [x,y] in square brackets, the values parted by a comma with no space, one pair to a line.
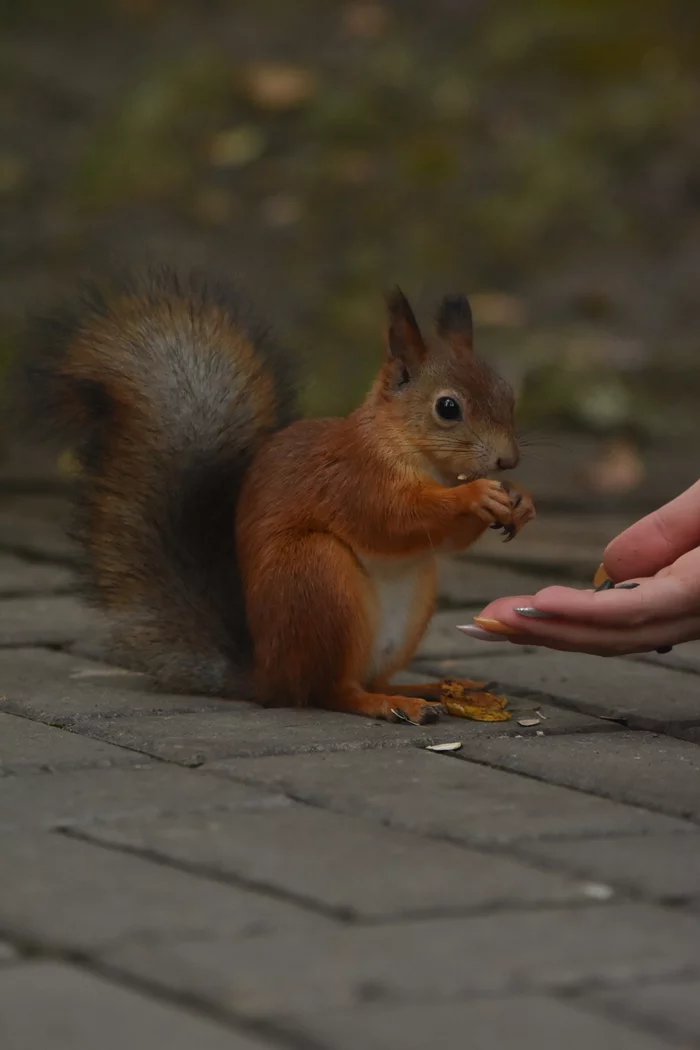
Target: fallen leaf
[454,746]
[461,701]
[237,147]
[275,86]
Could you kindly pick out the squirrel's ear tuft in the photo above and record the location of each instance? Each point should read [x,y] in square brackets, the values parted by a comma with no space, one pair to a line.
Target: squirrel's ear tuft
[454,322]
[404,340]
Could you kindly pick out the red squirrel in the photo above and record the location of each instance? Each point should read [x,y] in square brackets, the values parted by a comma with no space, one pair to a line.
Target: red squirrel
[240,551]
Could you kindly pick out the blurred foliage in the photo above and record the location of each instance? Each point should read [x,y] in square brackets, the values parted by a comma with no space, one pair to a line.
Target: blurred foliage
[542,154]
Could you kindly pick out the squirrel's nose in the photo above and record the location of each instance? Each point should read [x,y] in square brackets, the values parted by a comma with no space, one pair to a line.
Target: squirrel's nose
[508,462]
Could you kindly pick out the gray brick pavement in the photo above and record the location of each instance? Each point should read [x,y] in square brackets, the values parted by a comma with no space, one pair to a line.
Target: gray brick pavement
[666,1006]
[322,882]
[659,866]
[51,1005]
[19,577]
[311,854]
[532,1023]
[44,620]
[70,894]
[641,768]
[444,796]
[78,797]
[26,745]
[292,974]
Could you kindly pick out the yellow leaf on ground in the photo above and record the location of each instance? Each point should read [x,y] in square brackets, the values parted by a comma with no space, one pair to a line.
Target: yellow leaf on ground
[462,702]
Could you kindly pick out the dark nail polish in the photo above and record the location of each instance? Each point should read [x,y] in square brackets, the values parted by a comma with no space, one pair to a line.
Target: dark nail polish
[606,585]
[626,586]
[665,649]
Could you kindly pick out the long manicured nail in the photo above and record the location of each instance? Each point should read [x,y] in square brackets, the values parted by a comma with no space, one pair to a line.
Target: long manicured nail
[535,614]
[626,586]
[600,576]
[478,632]
[495,626]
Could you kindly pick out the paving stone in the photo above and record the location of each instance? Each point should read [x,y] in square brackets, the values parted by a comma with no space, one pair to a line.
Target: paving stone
[79,1011]
[58,800]
[26,746]
[71,894]
[28,536]
[565,544]
[464,581]
[437,795]
[47,620]
[640,768]
[666,867]
[529,1023]
[685,657]
[672,1006]
[63,690]
[352,866]
[339,965]
[645,697]
[246,730]
[19,577]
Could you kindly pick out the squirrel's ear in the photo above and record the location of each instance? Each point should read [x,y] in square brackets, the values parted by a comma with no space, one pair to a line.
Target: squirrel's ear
[404,340]
[454,322]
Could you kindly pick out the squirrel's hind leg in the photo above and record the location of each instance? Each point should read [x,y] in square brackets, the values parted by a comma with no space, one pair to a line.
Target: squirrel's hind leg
[308,616]
[309,611]
[392,707]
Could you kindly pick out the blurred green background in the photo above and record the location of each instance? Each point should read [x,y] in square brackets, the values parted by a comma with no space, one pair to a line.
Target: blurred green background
[542,155]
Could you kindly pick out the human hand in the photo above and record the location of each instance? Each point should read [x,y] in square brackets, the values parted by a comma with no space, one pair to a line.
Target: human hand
[661,553]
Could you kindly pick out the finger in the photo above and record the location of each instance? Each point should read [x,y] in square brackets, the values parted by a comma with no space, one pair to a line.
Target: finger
[597,639]
[656,540]
[658,598]
[605,640]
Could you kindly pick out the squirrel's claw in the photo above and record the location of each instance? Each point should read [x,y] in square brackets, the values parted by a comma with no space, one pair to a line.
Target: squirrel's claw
[509,531]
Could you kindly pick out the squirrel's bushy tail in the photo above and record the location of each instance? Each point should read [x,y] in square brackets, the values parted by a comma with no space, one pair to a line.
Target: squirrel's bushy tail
[164,393]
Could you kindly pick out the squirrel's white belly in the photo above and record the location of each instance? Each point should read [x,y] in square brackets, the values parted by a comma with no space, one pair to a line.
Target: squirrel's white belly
[403,593]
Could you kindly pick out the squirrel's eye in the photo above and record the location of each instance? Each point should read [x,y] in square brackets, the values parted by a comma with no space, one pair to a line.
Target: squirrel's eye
[448,408]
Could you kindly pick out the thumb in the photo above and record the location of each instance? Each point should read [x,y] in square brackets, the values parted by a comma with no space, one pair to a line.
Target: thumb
[656,540]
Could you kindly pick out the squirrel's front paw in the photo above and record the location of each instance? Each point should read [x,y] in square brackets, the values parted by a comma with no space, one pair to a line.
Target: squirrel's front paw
[522,510]
[489,501]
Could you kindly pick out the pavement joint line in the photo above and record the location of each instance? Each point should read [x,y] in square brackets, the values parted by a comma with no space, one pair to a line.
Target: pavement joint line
[625,1016]
[559,783]
[31,949]
[692,822]
[279,1030]
[344,915]
[643,658]
[512,850]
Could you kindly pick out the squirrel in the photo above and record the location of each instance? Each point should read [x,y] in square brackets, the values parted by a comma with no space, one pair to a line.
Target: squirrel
[241,551]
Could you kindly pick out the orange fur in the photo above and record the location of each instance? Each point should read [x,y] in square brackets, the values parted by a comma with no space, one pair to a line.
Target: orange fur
[366,491]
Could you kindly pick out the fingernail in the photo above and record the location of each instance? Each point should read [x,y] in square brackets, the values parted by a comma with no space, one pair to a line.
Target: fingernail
[536,614]
[665,649]
[600,576]
[480,633]
[626,586]
[495,626]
